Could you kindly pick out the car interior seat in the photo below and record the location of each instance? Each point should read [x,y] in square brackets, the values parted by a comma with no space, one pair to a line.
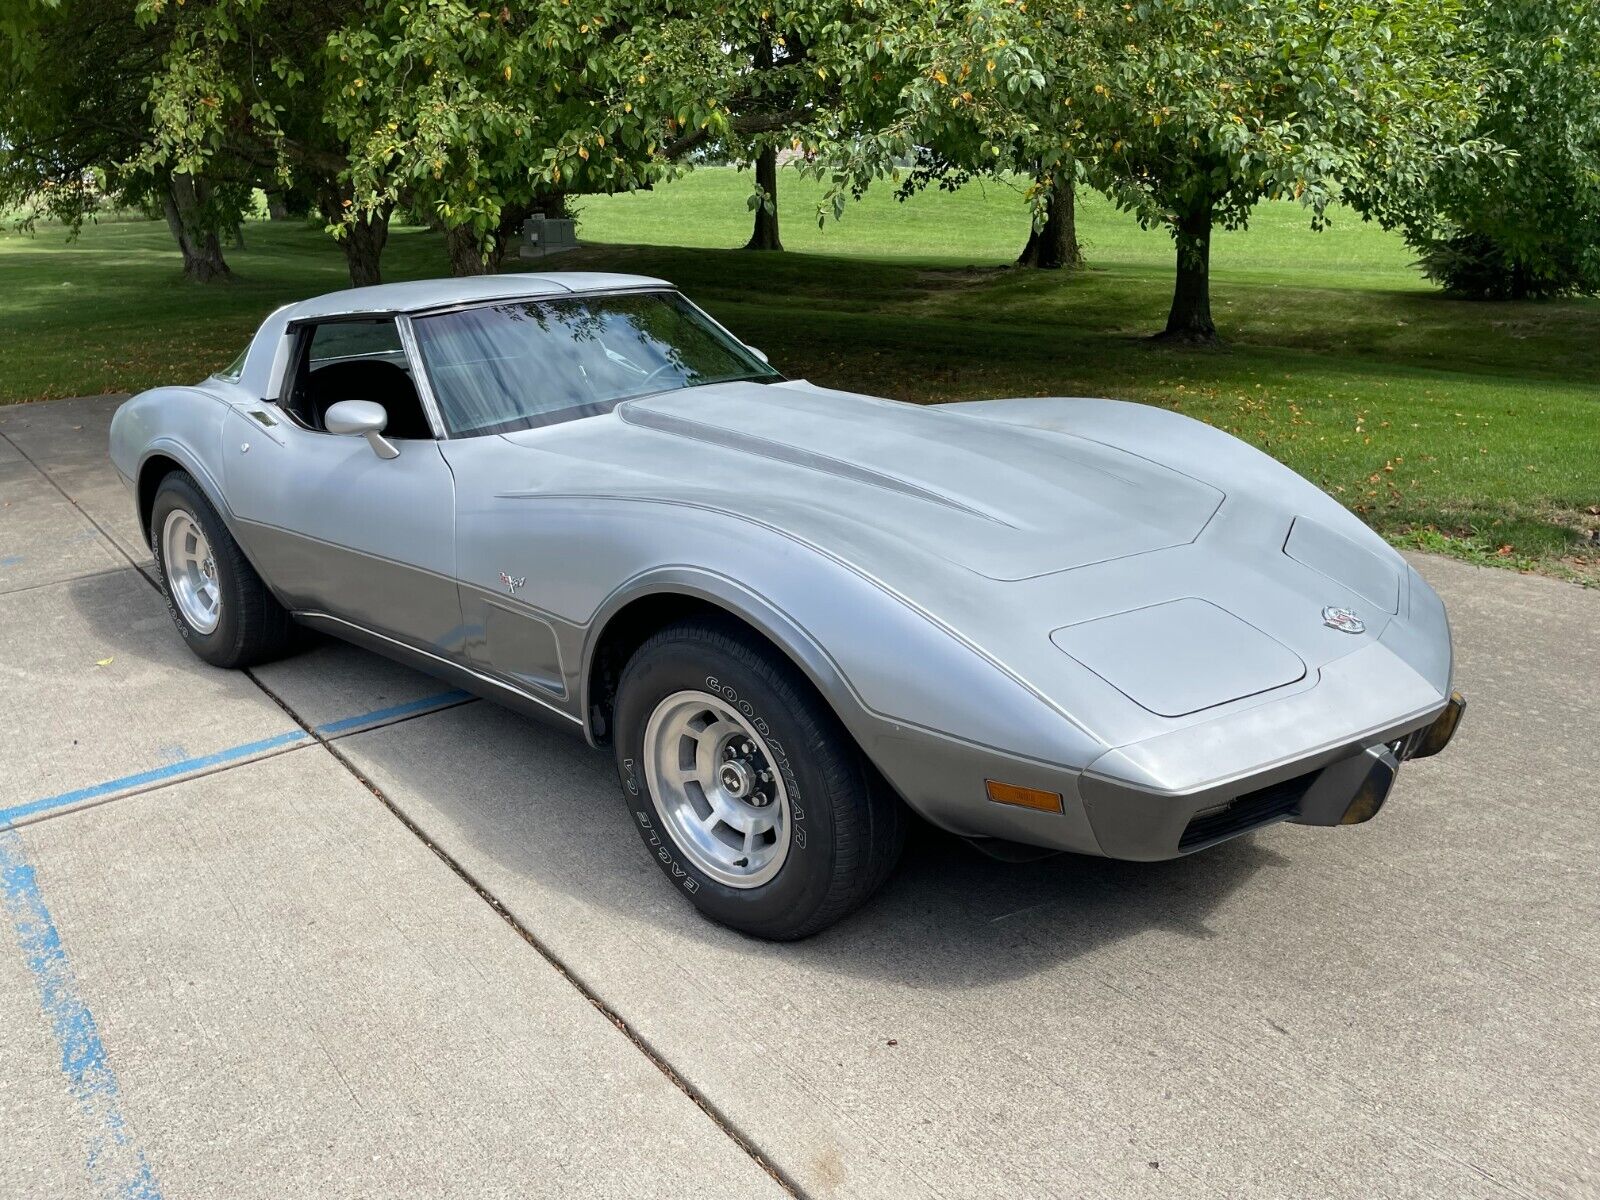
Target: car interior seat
[367,379]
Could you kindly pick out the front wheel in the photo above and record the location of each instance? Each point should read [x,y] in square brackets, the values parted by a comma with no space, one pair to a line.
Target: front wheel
[747,791]
[217,601]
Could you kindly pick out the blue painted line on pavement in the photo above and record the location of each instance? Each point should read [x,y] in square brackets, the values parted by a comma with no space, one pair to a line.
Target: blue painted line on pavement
[115,1162]
[156,775]
[10,560]
[187,766]
[394,712]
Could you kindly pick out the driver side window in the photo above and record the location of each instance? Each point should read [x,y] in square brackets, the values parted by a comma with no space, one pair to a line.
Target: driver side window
[355,360]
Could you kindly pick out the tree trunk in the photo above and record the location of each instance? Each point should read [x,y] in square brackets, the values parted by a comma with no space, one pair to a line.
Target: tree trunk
[1055,244]
[508,236]
[765,234]
[1190,317]
[363,244]
[364,233]
[472,253]
[508,233]
[238,235]
[465,249]
[1521,281]
[181,201]
[277,210]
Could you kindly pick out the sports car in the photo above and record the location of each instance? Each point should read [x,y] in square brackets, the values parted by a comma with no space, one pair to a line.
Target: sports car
[794,615]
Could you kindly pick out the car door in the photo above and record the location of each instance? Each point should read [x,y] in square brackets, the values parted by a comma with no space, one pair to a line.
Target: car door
[336,529]
[509,633]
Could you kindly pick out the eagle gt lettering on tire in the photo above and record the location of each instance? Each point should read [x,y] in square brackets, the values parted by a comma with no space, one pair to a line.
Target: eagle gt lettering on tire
[744,786]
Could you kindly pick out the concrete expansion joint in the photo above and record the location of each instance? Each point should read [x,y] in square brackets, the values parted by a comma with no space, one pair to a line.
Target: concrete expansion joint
[68,810]
[656,1059]
[55,583]
[80,510]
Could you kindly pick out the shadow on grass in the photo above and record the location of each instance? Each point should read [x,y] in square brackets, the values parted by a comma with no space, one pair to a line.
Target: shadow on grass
[1559,340]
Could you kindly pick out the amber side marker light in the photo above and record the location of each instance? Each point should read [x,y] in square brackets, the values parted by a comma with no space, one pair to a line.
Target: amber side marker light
[1021,797]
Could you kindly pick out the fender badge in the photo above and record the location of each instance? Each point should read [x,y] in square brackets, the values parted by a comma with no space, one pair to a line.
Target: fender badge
[1342,619]
[513,582]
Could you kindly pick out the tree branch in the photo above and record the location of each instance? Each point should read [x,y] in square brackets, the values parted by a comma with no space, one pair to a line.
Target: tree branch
[749,124]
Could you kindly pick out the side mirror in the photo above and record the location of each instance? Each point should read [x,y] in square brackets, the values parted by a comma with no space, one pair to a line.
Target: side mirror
[365,418]
[761,354]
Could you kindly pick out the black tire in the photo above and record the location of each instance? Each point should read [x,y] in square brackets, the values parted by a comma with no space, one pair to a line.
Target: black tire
[252,627]
[846,827]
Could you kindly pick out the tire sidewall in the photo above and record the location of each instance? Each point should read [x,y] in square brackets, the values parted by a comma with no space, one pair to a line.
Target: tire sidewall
[178,491]
[802,882]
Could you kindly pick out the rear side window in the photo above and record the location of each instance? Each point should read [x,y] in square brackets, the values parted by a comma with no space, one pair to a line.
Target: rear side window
[234,369]
[339,340]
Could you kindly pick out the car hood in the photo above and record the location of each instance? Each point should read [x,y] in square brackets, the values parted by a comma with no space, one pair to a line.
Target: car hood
[929,476]
[1027,536]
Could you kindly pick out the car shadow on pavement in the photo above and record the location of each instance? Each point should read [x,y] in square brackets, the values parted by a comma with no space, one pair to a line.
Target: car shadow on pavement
[537,817]
[113,613]
[954,916]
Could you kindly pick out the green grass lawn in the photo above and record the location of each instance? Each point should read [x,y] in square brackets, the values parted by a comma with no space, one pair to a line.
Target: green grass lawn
[1464,427]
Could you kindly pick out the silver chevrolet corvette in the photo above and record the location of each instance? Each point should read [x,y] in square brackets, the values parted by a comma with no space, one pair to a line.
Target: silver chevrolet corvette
[793,613]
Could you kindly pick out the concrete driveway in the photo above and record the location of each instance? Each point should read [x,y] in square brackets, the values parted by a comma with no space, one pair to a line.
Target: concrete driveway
[330,929]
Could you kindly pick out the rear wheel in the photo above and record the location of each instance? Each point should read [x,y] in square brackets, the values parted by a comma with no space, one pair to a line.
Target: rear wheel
[217,601]
[744,786]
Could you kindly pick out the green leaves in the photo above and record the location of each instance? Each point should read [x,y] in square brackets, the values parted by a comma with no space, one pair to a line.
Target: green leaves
[1224,102]
[465,110]
[1523,220]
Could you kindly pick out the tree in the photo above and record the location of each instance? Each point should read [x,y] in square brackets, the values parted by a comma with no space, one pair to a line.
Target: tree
[72,87]
[786,85]
[1203,108]
[967,89]
[1053,243]
[1068,44]
[772,80]
[243,94]
[773,52]
[1526,223]
[764,202]
[196,211]
[476,118]
[76,77]
[931,93]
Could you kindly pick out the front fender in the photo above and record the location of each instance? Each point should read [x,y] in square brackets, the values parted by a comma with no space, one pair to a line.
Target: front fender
[840,637]
[887,668]
[730,595]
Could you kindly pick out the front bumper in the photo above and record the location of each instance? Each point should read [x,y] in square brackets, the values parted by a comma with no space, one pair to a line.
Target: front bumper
[1344,787]
[1341,785]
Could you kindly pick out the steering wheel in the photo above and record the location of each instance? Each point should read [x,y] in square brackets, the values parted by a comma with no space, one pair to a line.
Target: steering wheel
[669,364]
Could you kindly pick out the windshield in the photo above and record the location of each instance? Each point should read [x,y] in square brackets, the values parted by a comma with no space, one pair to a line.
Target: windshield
[505,367]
